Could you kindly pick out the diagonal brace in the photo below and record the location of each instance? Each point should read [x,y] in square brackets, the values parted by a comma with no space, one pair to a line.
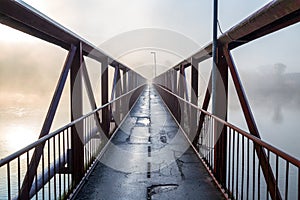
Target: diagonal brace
[29,176]
[265,165]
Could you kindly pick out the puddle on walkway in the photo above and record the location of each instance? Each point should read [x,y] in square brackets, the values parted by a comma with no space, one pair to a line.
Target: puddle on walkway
[157,189]
[139,135]
[143,121]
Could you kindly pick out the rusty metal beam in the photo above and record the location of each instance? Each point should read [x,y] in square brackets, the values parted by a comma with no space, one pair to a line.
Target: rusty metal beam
[124,76]
[281,23]
[221,111]
[90,93]
[88,85]
[205,105]
[77,137]
[181,88]
[23,17]
[29,176]
[272,17]
[104,97]
[261,154]
[114,84]
[194,94]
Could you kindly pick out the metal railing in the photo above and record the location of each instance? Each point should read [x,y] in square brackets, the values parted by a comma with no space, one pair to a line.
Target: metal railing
[244,175]
[53,179]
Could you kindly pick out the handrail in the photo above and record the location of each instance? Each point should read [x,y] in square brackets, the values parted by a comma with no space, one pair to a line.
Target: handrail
[279,152]
[57,161]
[50,135]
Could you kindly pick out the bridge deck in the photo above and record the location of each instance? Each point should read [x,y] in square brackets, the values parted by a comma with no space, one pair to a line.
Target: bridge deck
[149,158]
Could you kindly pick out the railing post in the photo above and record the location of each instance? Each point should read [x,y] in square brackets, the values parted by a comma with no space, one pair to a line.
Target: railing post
[104,96]
[261,154]
[29,176]
[181,82]
[76,112]
[202,115]
[220,134]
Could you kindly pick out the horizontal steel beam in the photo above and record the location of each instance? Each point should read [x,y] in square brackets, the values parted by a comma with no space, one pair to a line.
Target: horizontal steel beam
[272,17]
[23,17]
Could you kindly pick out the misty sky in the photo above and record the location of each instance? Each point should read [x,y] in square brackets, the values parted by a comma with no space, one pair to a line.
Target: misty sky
[130,30]
[103,22]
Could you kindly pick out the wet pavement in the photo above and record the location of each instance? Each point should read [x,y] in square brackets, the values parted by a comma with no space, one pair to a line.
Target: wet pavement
[149,158]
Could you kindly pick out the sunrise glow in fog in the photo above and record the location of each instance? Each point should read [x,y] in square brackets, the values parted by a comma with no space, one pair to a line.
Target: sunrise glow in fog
[30,67]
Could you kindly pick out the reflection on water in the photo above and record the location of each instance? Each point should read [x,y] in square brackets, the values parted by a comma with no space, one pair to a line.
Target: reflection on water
[17,136]
[282,135]
[19,127]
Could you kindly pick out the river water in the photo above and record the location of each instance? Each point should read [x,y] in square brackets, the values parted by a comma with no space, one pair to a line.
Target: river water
[21,125]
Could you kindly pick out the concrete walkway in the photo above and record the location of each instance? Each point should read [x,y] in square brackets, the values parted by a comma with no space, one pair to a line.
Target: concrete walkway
[149,158]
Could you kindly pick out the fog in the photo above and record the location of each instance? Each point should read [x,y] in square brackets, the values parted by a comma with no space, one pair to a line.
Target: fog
[268,67]
[272,89]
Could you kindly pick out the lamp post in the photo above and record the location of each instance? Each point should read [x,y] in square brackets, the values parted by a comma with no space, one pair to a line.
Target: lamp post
[154,57]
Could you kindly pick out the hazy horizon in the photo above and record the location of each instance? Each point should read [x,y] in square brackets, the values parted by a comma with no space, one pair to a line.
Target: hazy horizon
[29,67]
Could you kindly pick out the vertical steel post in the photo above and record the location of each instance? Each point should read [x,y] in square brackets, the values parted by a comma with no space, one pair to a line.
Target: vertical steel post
[118,93]
[185,85]
[104,96]
[125,87]
[76,112]
[220,131]
[181,89]
[134,80]
[219,101]
[194,94]
[176,103]
[129,78]
[195,81]
[169,80]
[181,82]
[174,81]
[166,76]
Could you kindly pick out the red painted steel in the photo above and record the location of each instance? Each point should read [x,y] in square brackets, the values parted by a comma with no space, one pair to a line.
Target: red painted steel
[267,170]
[47,123]
[237,177]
